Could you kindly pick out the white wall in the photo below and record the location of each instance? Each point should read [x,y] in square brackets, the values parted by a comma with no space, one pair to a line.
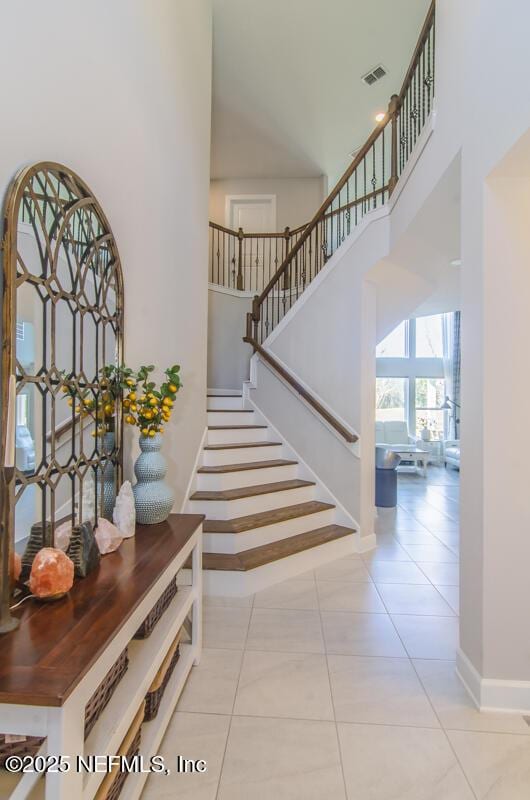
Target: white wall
[228,355]
[120,92]
[297,199]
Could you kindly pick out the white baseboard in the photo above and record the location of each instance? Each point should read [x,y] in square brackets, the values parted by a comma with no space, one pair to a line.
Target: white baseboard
[491,694]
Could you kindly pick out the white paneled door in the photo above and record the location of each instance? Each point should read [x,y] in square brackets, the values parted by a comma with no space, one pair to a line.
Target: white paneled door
[253,213]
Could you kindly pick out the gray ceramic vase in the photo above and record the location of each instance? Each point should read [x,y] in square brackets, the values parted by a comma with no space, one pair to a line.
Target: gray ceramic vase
[152,497]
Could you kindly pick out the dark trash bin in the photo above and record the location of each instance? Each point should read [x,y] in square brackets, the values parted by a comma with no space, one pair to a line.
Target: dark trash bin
[386,462]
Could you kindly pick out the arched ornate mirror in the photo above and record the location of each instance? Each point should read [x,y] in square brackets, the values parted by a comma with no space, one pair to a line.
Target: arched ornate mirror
[62,326]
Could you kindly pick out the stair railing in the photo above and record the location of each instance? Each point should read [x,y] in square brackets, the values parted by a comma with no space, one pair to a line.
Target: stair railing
[366,185]
[247,261]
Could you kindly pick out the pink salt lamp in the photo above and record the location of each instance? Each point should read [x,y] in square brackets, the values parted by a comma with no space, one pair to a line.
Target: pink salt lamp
[52,574]
[108,536]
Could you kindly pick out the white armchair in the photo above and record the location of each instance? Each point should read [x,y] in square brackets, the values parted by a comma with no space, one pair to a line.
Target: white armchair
[394,432]
[452,452]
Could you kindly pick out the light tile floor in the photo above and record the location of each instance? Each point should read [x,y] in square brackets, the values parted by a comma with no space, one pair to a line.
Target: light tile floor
[341,683]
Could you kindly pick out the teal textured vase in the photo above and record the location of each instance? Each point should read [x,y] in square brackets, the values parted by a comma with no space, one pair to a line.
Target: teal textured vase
[109,475]
[152,497]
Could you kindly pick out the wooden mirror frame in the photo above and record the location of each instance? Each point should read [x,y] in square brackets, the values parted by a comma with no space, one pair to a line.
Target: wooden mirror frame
[55,199]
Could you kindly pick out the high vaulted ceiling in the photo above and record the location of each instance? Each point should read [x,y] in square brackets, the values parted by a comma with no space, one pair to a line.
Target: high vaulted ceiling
[288,100]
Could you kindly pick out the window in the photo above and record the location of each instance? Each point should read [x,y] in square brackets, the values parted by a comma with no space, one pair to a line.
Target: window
[391,399]
[22,409]
[395,344]
[429,337]
[429,396]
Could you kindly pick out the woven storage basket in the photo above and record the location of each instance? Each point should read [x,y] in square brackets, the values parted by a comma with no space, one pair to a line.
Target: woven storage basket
[28,747]
[112,784]
[93,710]
[147,626]
[156,691]
[104,692]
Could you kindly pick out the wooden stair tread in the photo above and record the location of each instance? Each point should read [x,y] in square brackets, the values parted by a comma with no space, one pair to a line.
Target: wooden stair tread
[229,411]
[264,518]
[252,491]
[245,466]
[213,394]
[239,445]
[233,427]
[265,554]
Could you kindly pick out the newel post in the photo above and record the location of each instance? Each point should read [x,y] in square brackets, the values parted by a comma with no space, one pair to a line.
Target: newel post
[255,314]
[287,237]
[240,283]
[393,113]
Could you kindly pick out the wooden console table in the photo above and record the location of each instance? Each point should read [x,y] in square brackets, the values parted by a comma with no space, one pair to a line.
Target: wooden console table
[51,665]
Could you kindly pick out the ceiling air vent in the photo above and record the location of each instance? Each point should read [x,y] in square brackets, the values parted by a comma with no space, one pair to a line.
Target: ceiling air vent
[374,75]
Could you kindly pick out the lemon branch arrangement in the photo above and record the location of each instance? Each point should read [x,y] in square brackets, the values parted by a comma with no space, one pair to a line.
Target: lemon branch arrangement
[102,407]
[147,406]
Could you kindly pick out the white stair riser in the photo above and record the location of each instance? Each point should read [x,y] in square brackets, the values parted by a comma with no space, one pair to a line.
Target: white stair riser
[228,509]
[237,542]
[232,418]
[236,435]
[242,584]
[250,477]
[224,402]
[241,455]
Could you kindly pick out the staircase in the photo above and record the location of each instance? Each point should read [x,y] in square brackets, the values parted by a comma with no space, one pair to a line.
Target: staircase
[267,519]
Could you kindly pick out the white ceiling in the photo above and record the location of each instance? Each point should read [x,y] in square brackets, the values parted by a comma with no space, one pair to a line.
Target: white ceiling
[288,100]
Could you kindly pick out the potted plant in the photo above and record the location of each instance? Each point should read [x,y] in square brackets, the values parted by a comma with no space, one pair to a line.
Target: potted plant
[149,408]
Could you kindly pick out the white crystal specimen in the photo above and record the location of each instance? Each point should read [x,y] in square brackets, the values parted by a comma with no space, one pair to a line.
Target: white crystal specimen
[62,535]
[88,499]
[124,515]
[108,536]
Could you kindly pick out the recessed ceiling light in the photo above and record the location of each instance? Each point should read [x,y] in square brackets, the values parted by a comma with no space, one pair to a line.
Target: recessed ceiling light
[380,116]
[456,262]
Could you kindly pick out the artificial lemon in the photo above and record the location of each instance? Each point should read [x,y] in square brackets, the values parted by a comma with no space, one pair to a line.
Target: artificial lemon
[109,409]
[173,388]
[152,432]
[145,431]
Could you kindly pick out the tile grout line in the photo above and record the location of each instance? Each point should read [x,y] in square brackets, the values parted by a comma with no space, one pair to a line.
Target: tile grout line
[243,649]
[434,710]
[346,794]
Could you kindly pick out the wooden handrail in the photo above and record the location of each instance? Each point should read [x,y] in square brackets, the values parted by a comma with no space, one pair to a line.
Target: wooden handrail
[360,200]
[346,434]
[62,428]
[424,33]
[322,210]
[246,235]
